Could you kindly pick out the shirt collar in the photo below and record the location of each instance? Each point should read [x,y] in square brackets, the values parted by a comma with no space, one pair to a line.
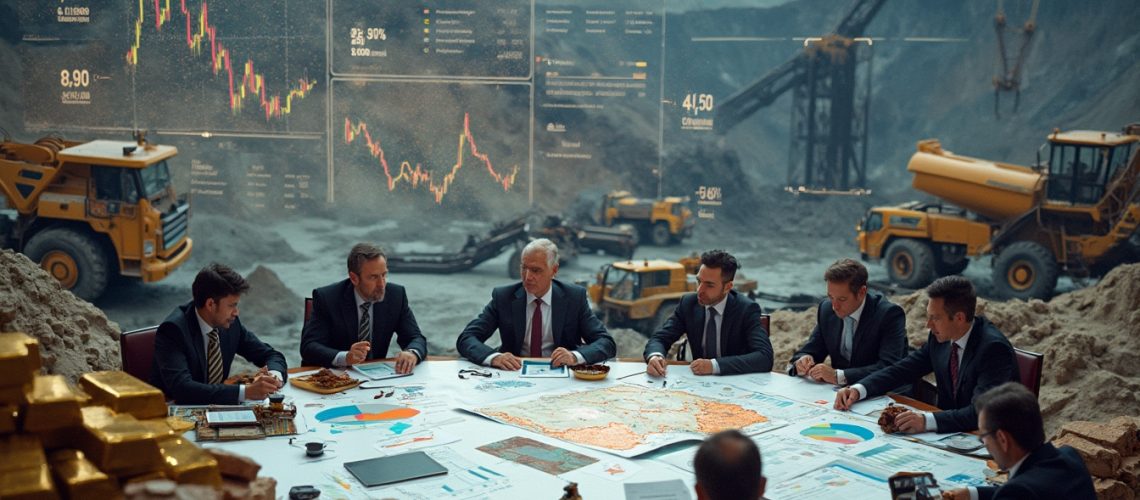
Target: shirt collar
[360,300]
[545,297]
[859,312]
[203,326]
[719,306]
[965,338]
[1013,470]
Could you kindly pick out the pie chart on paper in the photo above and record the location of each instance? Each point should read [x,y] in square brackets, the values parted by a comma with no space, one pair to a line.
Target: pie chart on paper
[365,414]
[838,433]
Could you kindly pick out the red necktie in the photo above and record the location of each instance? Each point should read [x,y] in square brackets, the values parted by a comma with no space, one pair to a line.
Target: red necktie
[954,367]
[536,330]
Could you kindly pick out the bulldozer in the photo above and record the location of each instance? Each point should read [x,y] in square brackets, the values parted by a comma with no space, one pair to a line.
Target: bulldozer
[663,221]
[642,294]
[89,211]
[1074,212]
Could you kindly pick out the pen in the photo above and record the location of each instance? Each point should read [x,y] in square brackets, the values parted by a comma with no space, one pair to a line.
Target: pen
[662,384]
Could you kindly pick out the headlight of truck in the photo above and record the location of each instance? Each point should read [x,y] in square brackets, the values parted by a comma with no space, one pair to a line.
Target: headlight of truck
[148,248]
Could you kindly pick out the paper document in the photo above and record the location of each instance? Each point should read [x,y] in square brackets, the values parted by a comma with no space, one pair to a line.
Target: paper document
[657,490]
[542,369]
[378,371]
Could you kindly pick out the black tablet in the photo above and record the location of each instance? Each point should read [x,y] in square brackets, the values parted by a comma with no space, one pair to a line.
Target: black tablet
[393,469]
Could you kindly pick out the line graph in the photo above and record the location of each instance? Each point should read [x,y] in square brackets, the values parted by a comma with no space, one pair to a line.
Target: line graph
[417,175]
[251,83]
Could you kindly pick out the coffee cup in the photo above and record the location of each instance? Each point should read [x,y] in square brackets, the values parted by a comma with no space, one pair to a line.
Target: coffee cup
[314,449]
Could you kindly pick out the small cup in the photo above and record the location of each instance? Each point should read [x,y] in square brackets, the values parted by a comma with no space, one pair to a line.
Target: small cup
[314,449]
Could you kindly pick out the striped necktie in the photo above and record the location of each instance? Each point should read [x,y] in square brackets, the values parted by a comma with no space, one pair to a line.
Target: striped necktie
[214,357]
[365,332]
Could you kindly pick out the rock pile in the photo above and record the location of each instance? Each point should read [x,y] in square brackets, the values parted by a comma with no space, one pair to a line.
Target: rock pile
[1112,453]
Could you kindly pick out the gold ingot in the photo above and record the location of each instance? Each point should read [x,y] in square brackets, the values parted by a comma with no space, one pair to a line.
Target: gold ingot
[78,478]
[16,394]
[124,393]
[187,463]
[28,483]
[118,444]
[20,452]
[19,358]
[54,404]
[8,418]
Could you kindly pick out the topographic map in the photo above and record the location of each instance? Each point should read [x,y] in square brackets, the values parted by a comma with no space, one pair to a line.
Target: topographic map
[626,420]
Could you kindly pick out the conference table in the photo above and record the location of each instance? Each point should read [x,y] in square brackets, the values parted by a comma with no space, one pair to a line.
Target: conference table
[629,435]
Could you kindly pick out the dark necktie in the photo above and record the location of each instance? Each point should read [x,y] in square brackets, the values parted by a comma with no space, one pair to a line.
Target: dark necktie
[536,330]
[214,357]
[712,340]
[954,367]
[365,331]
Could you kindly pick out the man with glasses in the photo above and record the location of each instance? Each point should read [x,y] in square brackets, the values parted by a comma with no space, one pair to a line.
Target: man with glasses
[967,354]
[723,326]
[353,320]
[539,317]
[1011,428]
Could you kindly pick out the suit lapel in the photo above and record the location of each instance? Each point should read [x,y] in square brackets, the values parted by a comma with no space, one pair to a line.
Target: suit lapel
[967,357]
[518,320]
[557,313]
[860,324]
[197,340]
[348,312]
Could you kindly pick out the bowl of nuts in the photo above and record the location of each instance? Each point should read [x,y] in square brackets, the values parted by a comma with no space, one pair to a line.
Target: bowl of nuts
[590,372]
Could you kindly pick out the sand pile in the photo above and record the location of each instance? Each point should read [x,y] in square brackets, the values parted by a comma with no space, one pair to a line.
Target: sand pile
[269,302]
[75,337]
[1089,337]
[237,244]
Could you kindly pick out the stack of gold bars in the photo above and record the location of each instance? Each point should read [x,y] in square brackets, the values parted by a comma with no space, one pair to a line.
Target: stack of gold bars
[60,441]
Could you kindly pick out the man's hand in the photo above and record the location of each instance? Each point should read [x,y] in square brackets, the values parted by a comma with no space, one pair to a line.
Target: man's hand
[358,353]
[846,397]
[804,364]
[405,362]
[956,494]
[701,367]
[823,373]
[507,361]
[264,373]
[261,388]
[656,366]
[562,357]
[910,422]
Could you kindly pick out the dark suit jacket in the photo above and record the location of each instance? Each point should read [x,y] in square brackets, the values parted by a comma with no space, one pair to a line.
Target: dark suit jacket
[744,342]
[1048,472]
[573,324]
[333,326]
[988,362]
[179,368]
[880,338]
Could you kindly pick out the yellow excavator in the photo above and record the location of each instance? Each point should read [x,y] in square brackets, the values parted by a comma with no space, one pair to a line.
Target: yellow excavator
[1075,212]
[87,211]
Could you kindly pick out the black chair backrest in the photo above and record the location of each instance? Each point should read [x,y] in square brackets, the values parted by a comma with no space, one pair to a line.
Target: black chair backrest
[136,348]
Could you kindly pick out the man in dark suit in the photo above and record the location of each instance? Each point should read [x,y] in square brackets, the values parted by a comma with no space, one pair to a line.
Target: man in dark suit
[728,467]
[538,317]
[353,320]
[195,346]
[1009,419]
[860,331]
[967,354]
[723,326]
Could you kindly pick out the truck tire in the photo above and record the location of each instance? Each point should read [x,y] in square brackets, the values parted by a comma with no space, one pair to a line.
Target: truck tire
[75,258]
[514,263]
[1025,270]
[665,310]
[910,263]
[660,235]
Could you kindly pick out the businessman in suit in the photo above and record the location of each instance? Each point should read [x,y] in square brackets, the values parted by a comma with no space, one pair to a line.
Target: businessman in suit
[1009,419]
[353,320]
[728,467]
[967,354]
[860,331]
[538,317]
[723,326]
[195,346]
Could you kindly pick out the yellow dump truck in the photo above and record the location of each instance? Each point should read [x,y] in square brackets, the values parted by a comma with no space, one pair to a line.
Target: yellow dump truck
[663,221]
[86,211]
[641,294]
[1075,211]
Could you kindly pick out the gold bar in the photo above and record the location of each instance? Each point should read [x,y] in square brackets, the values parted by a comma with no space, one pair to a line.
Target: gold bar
[187,463]
[20,452]
[78,478]
[16,394]
[19,358]
[28,483]
[54,404]
[124,393]
[8,418]
[119,445]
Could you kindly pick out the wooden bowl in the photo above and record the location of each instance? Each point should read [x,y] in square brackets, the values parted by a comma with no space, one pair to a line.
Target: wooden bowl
[591,372]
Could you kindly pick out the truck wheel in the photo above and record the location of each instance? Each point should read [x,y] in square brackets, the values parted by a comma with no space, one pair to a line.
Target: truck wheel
[910,263]
[663,312]
[1025,270]
[660,234]
[514,263]
[75,258]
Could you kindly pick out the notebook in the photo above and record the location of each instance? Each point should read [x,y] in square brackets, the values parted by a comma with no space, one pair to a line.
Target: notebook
[395,468]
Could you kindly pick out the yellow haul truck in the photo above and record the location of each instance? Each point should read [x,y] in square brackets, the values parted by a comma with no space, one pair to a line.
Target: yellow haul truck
[662,222]
[1075,212]
[88,210]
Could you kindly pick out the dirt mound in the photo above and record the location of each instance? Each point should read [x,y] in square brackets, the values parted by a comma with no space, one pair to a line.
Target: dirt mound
[75,337]
[238,244]
[269,302]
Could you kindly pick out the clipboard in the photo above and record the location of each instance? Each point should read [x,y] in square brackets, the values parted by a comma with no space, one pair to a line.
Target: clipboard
[395,468]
